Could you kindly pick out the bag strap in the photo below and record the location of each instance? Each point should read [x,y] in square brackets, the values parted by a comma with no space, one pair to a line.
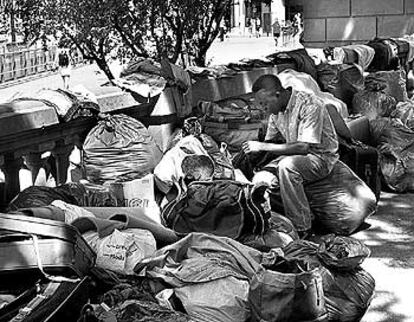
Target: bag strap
[49,291]
[233,125]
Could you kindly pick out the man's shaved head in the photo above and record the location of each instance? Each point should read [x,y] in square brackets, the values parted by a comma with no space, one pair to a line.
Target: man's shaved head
[267,82]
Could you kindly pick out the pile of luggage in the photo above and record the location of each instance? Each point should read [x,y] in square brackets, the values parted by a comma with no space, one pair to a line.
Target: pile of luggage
[183,235]
[375,80]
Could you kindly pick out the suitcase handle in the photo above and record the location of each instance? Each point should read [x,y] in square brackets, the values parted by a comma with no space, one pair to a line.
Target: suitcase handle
[52,278]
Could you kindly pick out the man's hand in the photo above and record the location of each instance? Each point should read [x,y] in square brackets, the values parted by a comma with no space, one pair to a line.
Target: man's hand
[252,146]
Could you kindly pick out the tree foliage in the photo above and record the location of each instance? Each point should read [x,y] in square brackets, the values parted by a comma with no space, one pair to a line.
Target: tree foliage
[152,28]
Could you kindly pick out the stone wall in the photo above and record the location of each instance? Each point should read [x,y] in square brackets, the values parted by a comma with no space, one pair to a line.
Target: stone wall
[337,22]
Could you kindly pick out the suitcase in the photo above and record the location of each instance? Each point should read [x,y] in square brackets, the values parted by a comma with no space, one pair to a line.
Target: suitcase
[403,47]
[386,55]
[363,160]
[47,301]
[53,247]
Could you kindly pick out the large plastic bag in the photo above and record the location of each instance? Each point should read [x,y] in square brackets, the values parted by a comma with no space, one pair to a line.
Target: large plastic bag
[342,253]
[395,81]
[341,201]
[373,104]
[395,143]
[119,148]
[122,250]
[347,294]
[342,80]
[169,168]
[405,112]
[305,83]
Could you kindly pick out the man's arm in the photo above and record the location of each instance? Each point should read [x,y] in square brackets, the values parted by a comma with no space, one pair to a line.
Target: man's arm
[279,149]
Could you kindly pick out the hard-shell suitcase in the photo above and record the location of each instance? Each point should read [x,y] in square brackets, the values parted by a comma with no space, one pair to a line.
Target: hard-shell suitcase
[48,301]
[28,243]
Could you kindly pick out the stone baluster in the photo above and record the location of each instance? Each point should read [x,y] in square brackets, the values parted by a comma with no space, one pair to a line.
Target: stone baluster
[61,153]
[11,166]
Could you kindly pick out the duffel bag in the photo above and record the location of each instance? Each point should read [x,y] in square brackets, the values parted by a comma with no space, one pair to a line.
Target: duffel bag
[221,207]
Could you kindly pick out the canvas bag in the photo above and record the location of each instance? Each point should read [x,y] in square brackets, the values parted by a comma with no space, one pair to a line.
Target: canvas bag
[287,295]
[233,121]
[221,207]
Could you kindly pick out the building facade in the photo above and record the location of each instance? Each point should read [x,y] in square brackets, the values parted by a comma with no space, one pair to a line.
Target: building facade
[338,22]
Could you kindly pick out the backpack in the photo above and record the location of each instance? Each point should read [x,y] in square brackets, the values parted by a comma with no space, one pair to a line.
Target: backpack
[233,121]
[221,207]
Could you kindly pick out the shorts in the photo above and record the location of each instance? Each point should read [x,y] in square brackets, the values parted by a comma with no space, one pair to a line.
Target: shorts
[65,71]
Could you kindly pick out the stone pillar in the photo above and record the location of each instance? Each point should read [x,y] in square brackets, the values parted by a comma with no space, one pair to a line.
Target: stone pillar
[34,162]
[242,16]
[61,153]
[11,167]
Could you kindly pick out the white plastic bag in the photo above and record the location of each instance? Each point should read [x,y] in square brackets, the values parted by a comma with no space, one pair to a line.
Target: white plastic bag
[122,250]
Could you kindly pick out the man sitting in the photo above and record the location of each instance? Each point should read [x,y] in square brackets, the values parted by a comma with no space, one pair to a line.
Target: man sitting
[310,151]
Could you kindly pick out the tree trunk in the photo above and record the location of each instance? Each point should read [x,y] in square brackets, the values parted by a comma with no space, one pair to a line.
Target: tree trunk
[101,62]
[201,55]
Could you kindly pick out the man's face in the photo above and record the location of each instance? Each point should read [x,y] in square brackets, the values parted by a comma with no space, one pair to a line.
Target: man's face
[270,101]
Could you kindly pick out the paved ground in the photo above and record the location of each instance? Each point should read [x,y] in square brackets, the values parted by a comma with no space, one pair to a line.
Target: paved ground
[391,240]
[390,236]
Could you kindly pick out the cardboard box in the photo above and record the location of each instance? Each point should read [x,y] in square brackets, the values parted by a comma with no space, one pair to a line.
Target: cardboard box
[135,193]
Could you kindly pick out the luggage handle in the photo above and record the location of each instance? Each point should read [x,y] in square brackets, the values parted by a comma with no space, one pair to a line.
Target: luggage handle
[52,278]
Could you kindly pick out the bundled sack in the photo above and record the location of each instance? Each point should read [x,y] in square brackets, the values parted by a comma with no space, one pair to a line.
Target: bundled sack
[347,294]
[280,233]
[223,168]
[340,202]
[121,250]
[342,253]
[233,121]
[341,80]
[395,81]
[119,148]
[373,100]
[169,168]
[348,291]
[287,291]
[395,144]
[405,112]
[38,196]
[222,207]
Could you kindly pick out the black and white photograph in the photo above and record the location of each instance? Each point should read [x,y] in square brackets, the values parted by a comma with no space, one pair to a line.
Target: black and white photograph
[206,160]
